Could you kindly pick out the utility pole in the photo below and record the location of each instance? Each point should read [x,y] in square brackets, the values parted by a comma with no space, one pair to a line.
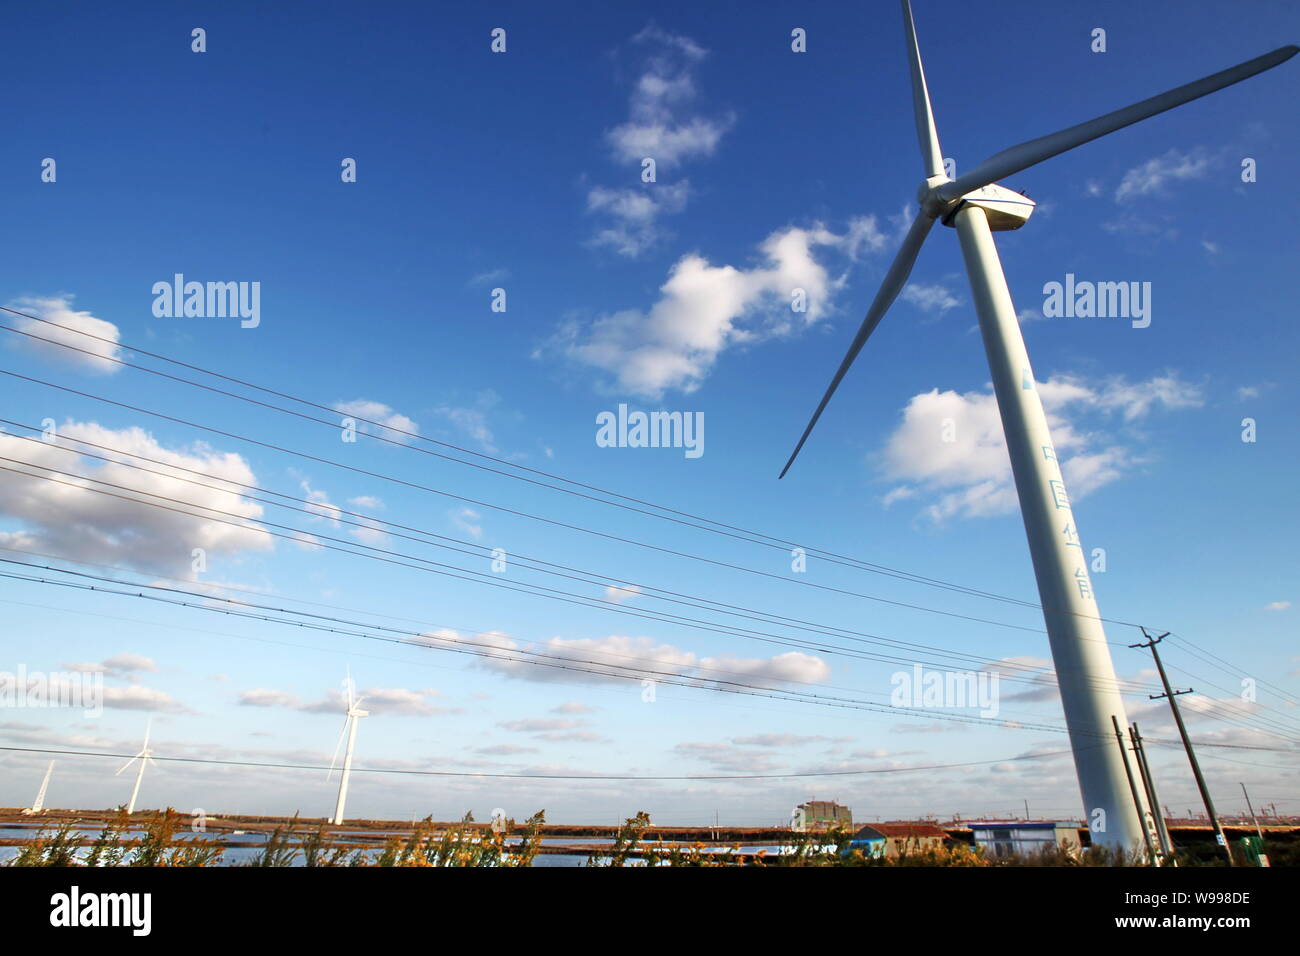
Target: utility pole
[1162,829]
[1172,695]
[1132,788]
[1263,857]
[1026,809]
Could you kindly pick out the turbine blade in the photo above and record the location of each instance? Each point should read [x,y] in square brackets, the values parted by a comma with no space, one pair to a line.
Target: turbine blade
[337,745]
[127,765]
[1017,158]
[926,134]
[892,284]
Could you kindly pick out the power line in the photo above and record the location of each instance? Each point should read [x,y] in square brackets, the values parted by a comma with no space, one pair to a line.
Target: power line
[771,542]
[463,646]
[774,542]
[482,577]
[332,512]
[546,776]
[415,435]
[757,635]
[459,645]
[1199,651]
[505,510]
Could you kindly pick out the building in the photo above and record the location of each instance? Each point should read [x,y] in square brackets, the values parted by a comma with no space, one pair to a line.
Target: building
[898,839]
[1004,838]
[821,814]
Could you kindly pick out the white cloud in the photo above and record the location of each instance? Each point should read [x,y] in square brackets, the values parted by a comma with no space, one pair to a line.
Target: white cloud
[536,725]
[572,707]
[1153,175]
[319,507]
[1277,606]
[611,657]
[472,421]
[660,126]
[466,519]
[380,413]
[620,595]
[136,697]
[634,213]
[60,517]
[725,756]
[118,665]
[264,697]
[659,123]
[863,234]
[951,446]
[705,309]
[492,275]
[58,309]
[504,750]
[929,298]
[398,701]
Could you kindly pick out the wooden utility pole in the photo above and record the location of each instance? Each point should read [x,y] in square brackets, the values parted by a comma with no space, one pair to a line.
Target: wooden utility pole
[1172,695]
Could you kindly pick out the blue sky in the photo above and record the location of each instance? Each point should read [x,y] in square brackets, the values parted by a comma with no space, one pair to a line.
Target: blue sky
[521,171]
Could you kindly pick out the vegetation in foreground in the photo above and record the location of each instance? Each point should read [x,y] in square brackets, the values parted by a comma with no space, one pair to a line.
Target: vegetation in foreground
[163,840]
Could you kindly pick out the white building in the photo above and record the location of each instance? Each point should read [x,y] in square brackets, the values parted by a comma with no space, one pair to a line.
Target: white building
[1003,838]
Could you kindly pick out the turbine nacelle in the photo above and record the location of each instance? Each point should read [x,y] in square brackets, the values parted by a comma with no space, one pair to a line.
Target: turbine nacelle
[1006,208]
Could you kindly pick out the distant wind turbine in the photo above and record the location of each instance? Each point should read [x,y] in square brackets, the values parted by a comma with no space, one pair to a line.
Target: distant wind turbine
[39,803]
[144,756]
[977,207]
[354,713]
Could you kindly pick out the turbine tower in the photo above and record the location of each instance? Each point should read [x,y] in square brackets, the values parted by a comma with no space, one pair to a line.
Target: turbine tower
[144,756]
[354,713]
[977,207]
[39,803]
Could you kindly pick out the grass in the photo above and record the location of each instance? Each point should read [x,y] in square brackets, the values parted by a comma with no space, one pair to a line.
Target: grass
[156,841]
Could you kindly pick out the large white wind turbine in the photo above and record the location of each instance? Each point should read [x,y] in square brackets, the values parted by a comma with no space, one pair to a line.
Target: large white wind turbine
[354,713]
[144,757]
[39,803]
[977,208]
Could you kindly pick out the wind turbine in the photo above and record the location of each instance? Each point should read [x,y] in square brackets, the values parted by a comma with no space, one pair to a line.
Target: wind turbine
[977,207]
[144,756]
[354,713]
[39,803]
